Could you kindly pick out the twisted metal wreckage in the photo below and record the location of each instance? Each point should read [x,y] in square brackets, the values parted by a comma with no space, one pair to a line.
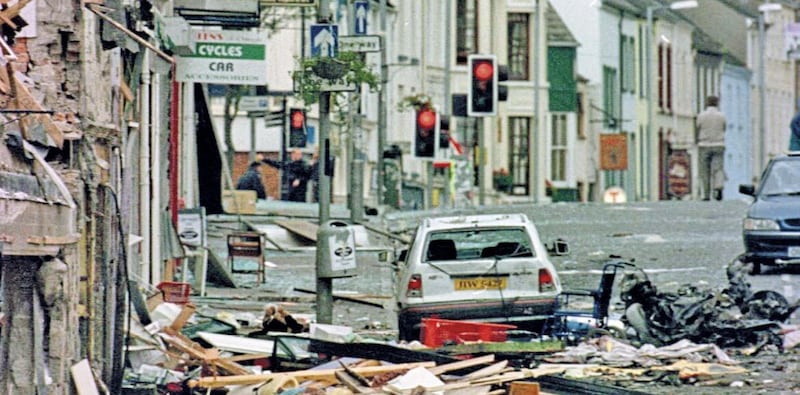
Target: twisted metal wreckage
[731,317]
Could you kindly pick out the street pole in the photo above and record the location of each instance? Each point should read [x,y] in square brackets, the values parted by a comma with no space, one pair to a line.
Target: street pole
[762,122]
[356,177]
[535,139]
[649,87]
[481,162]
[284,142]
[252,155]
[382,108]
[356,172]
[324,285]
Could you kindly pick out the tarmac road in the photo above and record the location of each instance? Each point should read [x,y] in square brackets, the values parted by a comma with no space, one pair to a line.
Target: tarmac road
[676,242]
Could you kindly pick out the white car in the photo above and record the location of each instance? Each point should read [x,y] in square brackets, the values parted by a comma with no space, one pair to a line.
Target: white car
[486,268]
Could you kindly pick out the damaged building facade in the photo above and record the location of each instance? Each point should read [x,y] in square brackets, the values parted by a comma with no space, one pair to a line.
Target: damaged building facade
[86,100]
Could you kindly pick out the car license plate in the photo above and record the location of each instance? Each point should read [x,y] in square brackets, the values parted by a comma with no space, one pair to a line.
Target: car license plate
[473,283]
[794,252]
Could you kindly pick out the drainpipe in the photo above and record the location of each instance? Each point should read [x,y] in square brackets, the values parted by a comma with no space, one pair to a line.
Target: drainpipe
[155,179]
[762,122]
[535,138]
[448,16]
[188,184]
[174,146]
[144,165]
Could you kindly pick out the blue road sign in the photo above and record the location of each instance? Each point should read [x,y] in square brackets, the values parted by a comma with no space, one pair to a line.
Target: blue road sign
[324,40]
[362,10]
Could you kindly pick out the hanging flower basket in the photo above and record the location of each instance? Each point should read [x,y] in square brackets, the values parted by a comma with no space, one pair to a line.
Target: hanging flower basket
[330,68]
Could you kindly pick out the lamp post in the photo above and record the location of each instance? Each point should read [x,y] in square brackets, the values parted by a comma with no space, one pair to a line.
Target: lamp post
[678,5]
[762,121]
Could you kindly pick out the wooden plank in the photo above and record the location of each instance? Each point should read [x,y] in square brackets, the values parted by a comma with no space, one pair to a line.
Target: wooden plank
[352,383]
[462,364]
[488,371]
[24,100]
[472,390]
[299,227]
[504,348]
[249,357]
[237,344]
[83,378]
[186,312]
[326,374]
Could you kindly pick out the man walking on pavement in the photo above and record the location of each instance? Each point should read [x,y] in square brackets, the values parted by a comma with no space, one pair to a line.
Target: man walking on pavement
[297,172]
[710,127]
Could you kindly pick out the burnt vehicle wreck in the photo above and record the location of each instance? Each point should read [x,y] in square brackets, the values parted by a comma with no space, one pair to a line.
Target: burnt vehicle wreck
[731,317]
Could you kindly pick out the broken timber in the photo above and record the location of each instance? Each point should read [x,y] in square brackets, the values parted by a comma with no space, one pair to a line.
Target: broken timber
[326,375]
[299,227]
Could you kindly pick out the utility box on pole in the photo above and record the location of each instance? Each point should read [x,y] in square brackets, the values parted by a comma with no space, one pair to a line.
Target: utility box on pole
[336,249]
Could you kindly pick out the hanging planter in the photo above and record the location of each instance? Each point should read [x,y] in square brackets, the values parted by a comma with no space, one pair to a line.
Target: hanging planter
[330,68]
[346,68]
[416,102]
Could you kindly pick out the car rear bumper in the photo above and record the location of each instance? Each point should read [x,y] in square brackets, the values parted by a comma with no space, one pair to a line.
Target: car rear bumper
[772,247]
[409,319]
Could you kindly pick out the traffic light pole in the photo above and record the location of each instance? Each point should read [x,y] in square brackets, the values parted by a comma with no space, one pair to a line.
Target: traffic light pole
[481,163]
[382,121]
[324,285]
[354,153]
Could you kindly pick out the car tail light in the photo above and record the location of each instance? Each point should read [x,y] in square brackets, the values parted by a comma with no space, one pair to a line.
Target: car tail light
[546,283]
[414,287]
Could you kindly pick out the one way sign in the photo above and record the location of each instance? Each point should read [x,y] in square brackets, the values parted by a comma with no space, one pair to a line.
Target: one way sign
[362,10]
[324,40]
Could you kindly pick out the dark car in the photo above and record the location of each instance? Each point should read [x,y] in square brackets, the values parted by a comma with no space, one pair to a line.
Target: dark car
[771,231]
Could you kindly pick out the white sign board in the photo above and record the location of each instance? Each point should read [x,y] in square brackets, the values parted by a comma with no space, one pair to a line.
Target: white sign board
[230,57]
[360,43]
[191,227]
[254,103]
[342,250]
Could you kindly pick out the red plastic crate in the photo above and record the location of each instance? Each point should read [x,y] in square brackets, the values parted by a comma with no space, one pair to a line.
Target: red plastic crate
[175,292]
[435,331]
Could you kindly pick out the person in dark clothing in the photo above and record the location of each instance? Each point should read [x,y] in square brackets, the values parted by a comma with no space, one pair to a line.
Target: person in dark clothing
[297,172]
[251,181]
[794,138]
[276,319]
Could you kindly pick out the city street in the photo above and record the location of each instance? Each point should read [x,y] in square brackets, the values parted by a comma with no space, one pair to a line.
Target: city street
[676,242]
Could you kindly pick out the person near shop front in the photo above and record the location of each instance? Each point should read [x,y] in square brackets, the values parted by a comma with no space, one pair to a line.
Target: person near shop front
[794,138]
[251,180]
[297,173]
[710,126]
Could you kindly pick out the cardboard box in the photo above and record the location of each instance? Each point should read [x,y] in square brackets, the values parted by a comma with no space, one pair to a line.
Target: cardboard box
[244,201]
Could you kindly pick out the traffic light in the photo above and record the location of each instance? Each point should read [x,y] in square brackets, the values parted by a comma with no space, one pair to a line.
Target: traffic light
[482,97]
[297,128]
[426,134]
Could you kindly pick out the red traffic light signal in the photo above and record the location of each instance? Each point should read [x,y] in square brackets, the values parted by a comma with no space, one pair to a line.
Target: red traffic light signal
[297,119]
[426,133]
[297,128]
[426,119]
[482,97]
